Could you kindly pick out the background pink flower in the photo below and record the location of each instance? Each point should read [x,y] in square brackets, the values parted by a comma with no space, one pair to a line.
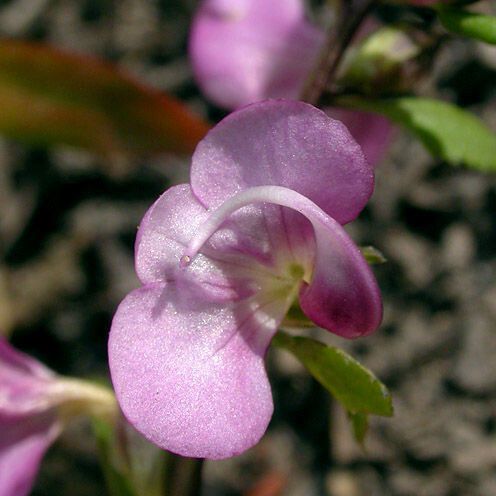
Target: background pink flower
[245,51]
[35,403]
[28,421]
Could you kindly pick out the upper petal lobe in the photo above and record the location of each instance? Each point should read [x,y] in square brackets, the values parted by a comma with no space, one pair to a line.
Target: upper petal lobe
[283,143]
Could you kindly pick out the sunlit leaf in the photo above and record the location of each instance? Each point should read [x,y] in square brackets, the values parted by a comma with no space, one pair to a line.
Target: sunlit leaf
[471,24]
[48,96]
[447,131]
[373,255]
[355,387]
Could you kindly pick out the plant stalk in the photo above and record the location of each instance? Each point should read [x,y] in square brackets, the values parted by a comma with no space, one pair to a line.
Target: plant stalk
[351,14]
[184,476]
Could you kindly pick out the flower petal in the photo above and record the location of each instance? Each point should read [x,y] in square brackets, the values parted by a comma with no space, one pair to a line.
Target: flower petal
[245,51]
[342,295]
[23,382]
[188,374]
[283,143]
[373,132]
[168,226]
[23,443]
[13,361]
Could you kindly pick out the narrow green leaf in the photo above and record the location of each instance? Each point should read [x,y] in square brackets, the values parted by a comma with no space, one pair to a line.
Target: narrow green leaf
[118,483]
[147,464]
[373,255]
[471,24]
[48,96]
[132,466]
[446,130]
[359,426]
[355,387]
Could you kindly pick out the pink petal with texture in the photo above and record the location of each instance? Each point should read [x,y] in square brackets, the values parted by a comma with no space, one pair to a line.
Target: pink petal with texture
[189,375]
[244,51]
[224,272]
[290,144]
[342,296]
[341,293]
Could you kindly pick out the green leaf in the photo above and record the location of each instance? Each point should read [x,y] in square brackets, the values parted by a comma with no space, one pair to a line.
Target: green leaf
[147,463]
[118,483]
[381,63]
[359,426]
[132,466]
[373,255]
[471,24]
[446,130]
[355,387]
[48,96]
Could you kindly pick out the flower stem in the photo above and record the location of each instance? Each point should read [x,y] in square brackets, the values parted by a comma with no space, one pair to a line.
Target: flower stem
[81,397]
[351,15]
[183,477]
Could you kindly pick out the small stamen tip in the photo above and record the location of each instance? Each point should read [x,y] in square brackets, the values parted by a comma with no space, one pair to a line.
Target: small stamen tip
[184,261]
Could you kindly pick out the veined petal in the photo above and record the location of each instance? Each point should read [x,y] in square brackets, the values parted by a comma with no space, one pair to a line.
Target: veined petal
[23,443]
[244,51]
[233,263]
[290,144]
[188,374]
[342,295]
[168,226]
[373,132]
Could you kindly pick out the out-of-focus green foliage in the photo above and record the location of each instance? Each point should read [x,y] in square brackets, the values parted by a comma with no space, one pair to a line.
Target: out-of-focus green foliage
[373,255]
[359,425]
[471,24]
[447,131]
[132,466]
[382,63]
[48,96]
[112,463]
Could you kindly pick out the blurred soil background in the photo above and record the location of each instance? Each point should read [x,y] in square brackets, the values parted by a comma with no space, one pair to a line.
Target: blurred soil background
[67,227]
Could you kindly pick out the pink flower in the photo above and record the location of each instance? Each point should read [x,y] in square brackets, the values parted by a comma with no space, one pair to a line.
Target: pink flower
[28,422]
[223,258]
[34,404]
[243,51]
